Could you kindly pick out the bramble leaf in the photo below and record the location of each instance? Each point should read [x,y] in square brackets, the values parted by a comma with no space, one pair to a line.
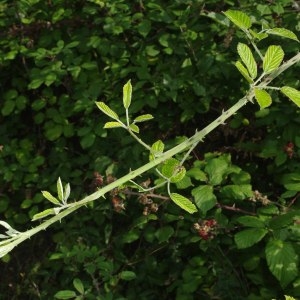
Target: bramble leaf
[272,59]
[282,260]
[248,59]
[243,71]
[291,93]
[239,18]
[263,98]
[205,198]
[249,237]
[183,202]
[60,191]
[134,128]
[50,198]
[106,110]
[157,149]
[283,33]
[43,214]
[127,94]
[143,118]
[108,125]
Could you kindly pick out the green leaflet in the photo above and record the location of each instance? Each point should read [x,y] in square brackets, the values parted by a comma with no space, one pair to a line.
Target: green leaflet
[291,93]
[272,59]
[60,190]
[283,33]
[43,214]
[183,202]
[263,98]
[249,237]
[243,71]
[127,94]
[106,110]
[143,118]
[157,149]
[108,125]
[248,59]
[50,198]
[239,18]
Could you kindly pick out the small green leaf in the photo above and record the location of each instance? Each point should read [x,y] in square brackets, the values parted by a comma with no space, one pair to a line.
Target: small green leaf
[263,98]
[51,198]
[282,260]
[67,191]
[164,233]
[248,59]
[251,221]
[239,18]
[43,214]
[291,93]
[78,285]
[108,125]
[157,149]
[106,110]
[183,202]
[65,294]
[249,237]
[127,94]
[143,118]
[260,36]
[60,190]
[134,128]
[283,33]
[272,59]
[243,71]
[169,167]
[127,275]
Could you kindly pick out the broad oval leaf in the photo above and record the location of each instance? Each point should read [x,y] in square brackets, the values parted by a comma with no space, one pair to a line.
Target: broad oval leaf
[205,198]
[43,214]
[127,275]
[106,110]
[183,202]
[127,94]
[272,59]
[60,191]
[247,58]
[249,237]
[169,167]
[263,98]
[283,33]
[282,260]
[243,71]
[251,221]
[50,198]
[108,125]
[143,118]
[239,18]
[291,93]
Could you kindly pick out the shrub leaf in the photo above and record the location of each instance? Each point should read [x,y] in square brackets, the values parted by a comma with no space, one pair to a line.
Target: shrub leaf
[263,98]
[291,93]
[272,59]
[239,18]
[183,202]
[247,58]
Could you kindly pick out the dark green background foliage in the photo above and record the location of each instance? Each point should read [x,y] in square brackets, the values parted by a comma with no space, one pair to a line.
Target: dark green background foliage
[56,59]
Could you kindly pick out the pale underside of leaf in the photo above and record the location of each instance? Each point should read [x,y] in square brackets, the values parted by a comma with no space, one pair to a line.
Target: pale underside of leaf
[108,125]
[283,33]
[127,94]
[239,18]
[248,59]
[292,94]
[272,59]
[263,98]
[183,202]
[106,110]
[243,71]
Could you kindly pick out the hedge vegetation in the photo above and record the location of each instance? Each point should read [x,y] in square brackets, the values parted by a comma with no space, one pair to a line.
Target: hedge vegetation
[56,59]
